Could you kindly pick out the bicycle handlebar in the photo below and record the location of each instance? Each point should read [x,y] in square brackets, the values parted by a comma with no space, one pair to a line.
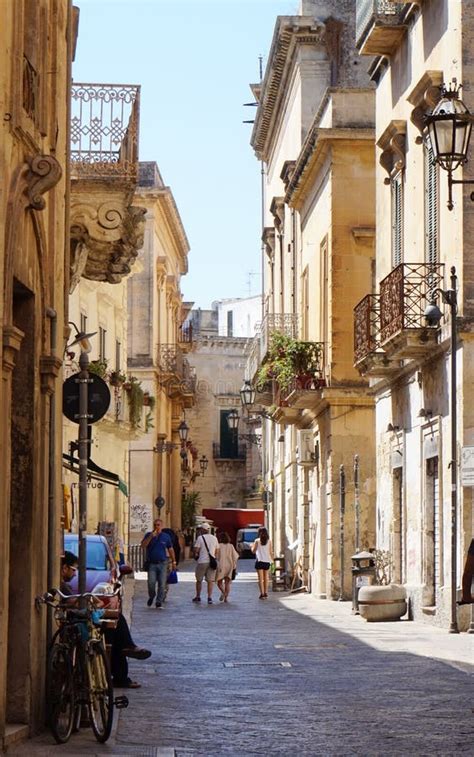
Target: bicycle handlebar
[48,598]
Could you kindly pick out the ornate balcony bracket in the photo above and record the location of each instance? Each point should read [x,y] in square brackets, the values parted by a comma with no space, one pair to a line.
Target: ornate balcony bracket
[425,95]
[44,173]
[380,26]
[393,146]
[105,239]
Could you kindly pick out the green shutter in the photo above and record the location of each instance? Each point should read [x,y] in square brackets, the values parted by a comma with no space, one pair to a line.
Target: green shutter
[431,208]
[397,220]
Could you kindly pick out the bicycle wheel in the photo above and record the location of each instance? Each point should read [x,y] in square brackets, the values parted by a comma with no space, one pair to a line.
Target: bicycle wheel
[60,694]
[101,693]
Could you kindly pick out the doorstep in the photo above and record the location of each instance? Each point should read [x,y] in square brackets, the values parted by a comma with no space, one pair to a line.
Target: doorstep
[14,733]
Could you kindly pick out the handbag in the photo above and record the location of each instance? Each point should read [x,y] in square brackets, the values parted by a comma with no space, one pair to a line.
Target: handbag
[234,574]
[172,577]
[212,559]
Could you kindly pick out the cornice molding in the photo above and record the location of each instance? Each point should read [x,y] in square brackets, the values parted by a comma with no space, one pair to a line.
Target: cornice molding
[424,96]
[312,154]
[393,145]
[290,31]
[164,199]
[268,239]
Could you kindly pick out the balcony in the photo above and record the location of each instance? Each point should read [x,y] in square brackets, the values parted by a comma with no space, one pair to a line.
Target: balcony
[231,453]
[404,294]
[176,375]
[185,337]
[281,323]
[304,390]
[369,357]
[379,26]
[106,231]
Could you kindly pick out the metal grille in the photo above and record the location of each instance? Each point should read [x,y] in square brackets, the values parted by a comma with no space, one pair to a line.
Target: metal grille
[369,12]
[228,452]
[170,359]
[404,294]
[104,130]
[285,323]
[366,327]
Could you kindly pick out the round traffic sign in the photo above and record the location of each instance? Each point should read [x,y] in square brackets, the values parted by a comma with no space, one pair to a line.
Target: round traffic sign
[98,399]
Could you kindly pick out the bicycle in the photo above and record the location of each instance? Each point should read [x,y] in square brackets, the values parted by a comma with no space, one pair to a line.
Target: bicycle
[78,674]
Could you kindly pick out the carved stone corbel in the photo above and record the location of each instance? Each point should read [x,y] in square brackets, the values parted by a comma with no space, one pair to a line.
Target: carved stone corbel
[268,239]
[277,209]
[12,339]
[43,174]
[425,95]
[105,240]
[393,146]
[49,371]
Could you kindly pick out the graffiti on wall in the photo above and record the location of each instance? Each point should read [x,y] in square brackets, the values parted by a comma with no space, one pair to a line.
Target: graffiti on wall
[141,517]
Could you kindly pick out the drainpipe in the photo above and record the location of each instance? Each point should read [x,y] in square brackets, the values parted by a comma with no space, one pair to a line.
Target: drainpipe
[52,565]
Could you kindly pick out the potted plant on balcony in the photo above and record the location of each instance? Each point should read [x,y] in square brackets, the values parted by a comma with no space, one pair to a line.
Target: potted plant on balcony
[149,400]
[117,378]
[98,367]
[135,400]
[290,360]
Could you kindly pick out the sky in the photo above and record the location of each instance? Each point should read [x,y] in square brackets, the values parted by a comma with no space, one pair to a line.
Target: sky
[194,60]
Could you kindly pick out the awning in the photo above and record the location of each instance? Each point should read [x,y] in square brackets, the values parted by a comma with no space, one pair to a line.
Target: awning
[95,472]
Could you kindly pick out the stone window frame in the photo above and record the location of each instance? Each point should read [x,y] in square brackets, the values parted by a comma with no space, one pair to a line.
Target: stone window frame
[392,143]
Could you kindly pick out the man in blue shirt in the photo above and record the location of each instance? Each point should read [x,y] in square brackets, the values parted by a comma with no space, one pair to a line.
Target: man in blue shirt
[159,549]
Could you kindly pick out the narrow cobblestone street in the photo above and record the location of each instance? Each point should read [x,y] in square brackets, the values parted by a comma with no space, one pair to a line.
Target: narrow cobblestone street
[290,675]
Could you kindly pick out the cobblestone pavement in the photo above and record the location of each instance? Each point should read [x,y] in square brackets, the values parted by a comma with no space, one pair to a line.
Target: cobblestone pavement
[280,677]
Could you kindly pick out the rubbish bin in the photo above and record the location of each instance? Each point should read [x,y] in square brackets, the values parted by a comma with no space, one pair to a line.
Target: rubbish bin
[363,574]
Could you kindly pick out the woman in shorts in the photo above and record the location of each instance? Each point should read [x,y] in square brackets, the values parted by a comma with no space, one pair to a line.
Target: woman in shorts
[262,549]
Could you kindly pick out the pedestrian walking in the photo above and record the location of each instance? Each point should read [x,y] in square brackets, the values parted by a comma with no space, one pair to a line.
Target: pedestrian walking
[159,550]
[467,577]
[205,549]
[262,549]
[227,557]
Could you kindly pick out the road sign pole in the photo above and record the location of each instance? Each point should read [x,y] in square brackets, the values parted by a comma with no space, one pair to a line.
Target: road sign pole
[83,443]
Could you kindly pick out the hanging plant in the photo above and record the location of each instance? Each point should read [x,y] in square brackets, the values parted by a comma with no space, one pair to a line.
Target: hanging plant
[135,401]
[149,400]
[117,378]
[148,422]
[288,359]
[98,367]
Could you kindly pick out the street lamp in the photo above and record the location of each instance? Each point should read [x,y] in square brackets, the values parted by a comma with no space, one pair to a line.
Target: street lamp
[83,340]
[233,420]
[433,316]
[247,394]
[203,463]
[183,431]
[448,130]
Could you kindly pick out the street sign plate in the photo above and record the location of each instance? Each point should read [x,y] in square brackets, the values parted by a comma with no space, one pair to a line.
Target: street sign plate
[467,466]
[98,398]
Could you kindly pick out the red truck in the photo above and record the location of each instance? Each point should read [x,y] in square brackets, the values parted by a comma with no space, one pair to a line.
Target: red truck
[233,519]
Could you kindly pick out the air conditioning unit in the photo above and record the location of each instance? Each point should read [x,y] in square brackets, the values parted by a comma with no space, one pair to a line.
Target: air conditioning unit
[306,449]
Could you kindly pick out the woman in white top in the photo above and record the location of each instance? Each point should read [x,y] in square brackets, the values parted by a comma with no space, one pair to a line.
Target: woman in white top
[227,557]
[262,549]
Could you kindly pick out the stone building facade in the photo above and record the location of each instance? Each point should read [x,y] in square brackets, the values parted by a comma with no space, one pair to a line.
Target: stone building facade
[158,347]
[36,44]
[232,475]
[412,49]
[314,134]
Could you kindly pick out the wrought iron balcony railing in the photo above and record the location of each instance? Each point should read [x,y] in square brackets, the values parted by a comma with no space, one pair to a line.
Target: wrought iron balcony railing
[285,323]
[366,327]
[170,359]
[104,130]
[185,334]
[380,19]
[404,294]
[229,451]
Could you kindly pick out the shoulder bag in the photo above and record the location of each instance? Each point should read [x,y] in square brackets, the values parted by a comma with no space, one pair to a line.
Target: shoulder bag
[212,560]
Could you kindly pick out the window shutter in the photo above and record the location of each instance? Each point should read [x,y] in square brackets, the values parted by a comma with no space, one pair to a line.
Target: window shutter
[431,208]
[397,220]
